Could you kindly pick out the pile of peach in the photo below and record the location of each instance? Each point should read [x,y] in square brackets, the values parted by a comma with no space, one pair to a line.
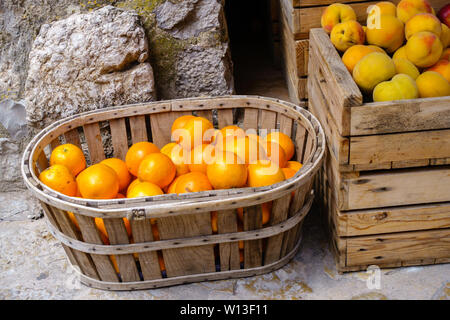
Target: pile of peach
[402,53]
[201,159]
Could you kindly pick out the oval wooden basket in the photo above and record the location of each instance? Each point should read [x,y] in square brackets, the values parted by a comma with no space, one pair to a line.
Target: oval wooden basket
[190,250]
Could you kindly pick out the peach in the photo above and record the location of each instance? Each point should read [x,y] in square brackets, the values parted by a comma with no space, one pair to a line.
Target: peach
[400,87]
[380,9]
[355,53]
[405,66]
[400,53]
[374,68]
[445,35]
[389,34]
[424,49]
[377,48]
[336,13]
[432,84]
[347,34]
[442,67]
[423,22]
[406,9]
[445,54]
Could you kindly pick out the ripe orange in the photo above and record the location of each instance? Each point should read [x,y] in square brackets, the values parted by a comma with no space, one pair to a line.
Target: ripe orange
[266,208]
[120,167]
[69,155]
[201,156]
[132,184]
[284,141]
[264,174]
[227,171]
[73,219]
[215,136]
[294,165]
[245,148]
[172,187]
[180,122]
[98,182]
[193,133]
[232,131]
[100,224]
[288,172]
[179,156]
[157,168]
[193,182]
[137,153]
[254,136]
[120,196]
[214,225]
[60,179]
[275,153]
[144,189]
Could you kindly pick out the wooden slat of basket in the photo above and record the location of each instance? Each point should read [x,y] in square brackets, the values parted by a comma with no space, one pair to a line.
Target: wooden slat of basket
[280,209]
[229,252]
[91,234]
[285,125]
[60,220]
[117,234]
[252,248]
[161,124]
[225,117]
[42,162]
[142,232]
[267,121]
[73,137]
[206,114]
[94,142]
[138,129]
[300,140]
[190,260]
[119,137]
[251,119]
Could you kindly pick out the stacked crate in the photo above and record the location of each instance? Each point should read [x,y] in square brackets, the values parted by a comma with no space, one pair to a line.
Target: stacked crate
[385,187]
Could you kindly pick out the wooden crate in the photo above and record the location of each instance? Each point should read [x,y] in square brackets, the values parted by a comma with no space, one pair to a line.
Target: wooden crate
[387,172]
[190,250]
[297,18]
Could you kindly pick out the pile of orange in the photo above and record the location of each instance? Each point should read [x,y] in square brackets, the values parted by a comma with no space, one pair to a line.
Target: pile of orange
[201,159]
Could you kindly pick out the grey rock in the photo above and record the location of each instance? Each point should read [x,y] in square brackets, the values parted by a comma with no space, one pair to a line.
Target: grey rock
[85,62]
[13,118]
[170,14]
[10,158]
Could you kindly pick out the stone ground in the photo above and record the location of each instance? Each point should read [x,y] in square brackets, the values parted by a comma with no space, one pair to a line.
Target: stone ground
[33,264]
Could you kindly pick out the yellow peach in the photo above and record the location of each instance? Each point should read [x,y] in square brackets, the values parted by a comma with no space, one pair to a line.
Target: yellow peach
[423,22]
[432,84]
[389,34]
[347,34]
[335,14]
[400,87]
[374,68]
[445,35]
[442,67]
[424,49]
[406,9]
[382,8]
[354,54]
[405,66]
[400,53]
[377,48]
[445,54]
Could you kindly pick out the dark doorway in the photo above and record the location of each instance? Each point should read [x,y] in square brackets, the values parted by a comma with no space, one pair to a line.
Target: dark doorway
[257,69]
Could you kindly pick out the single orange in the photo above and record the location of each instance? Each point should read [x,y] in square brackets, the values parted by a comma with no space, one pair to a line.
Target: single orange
[144,189]
[194,133]
[162,265]
[264,173]
[214,225]
[266,209]
[215,135]
[120,167]
[275,153]
[60,179]
[132,184]
[245,148]
[98,182]
[193,182]
[73,219]
[288,172]
[227,171]
[157,168]
[120,196]
[172,187]
[180,122]
[201,156]
[294,165]
[232,131]
[254,136]
[179,156]
[284,141]
[137,153]
[69,155]
[100,224]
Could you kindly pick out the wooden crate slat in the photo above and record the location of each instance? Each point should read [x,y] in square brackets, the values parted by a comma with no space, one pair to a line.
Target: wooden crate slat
[138,129]
[73,137]
[252,248]
[250,119]
[285,125]
[229,252]
[119,137]
[161,124]
[94,142]
[191,260]
[42,162]
[267,122]
[117,234]
[225,117]
[142,232]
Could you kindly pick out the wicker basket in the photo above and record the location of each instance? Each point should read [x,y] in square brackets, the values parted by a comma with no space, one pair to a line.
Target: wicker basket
[189,249]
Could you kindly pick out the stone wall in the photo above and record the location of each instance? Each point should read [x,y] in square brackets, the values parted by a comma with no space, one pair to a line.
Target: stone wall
[187,49]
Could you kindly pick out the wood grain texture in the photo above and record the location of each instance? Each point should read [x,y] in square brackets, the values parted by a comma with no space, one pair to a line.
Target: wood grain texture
[138,129]
[225,117]
[252,248]
[119,137]
[229,252]
[94,142]
[161,124]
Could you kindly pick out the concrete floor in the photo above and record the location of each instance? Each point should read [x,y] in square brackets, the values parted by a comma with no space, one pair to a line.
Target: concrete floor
[33,264]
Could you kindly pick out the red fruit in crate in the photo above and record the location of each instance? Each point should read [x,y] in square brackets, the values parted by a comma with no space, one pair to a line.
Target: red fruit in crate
[444,15]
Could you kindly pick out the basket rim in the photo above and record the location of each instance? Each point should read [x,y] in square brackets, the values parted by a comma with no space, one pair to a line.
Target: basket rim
[168,204]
